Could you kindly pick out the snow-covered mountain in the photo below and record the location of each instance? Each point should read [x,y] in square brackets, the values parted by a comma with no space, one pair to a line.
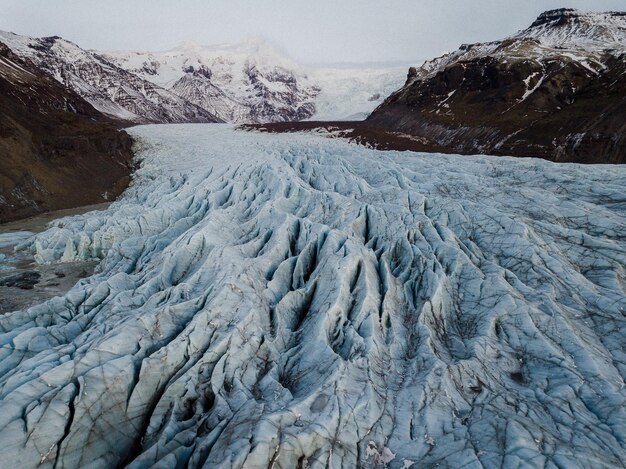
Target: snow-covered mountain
[556,89]
[246,82]
[571,29]
[251,82]
[307,302]
[239,83]
[108,88]
[584,38]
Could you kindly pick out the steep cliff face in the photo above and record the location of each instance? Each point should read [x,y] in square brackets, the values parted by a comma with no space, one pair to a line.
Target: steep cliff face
[556,90]
[56,150]
[269,97]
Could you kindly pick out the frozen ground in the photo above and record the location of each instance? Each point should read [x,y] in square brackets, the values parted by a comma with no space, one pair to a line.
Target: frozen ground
[296,301]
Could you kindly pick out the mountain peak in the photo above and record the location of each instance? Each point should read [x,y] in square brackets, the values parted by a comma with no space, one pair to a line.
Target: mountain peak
[570,28]
[189,45]
[556,17]
[250,45]
[256,42]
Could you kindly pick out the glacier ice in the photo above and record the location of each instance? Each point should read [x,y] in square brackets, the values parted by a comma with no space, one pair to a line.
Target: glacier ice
[298,301]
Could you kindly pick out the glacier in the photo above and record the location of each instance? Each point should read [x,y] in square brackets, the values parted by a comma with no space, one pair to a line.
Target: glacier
[352,93]
[293,300]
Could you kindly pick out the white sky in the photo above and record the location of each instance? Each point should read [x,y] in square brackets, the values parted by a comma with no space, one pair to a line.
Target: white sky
[307,30]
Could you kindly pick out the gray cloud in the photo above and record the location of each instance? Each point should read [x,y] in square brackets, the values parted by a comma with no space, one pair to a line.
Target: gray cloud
[309,31]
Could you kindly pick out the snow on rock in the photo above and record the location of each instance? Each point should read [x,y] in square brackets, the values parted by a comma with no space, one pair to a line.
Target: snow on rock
[239,83]
[248,82]
[291,300]
[568,27]
[108,88]
[585,38]
[251,82]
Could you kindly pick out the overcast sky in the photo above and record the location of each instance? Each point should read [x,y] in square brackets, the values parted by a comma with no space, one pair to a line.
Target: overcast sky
[307,30]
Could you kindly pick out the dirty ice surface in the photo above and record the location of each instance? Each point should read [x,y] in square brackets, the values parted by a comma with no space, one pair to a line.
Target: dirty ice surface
[23,281]
[298,301]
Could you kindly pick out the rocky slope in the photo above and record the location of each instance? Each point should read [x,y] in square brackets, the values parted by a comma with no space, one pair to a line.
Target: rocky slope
[56,150]
[555,90]
[110,89]
[307,302]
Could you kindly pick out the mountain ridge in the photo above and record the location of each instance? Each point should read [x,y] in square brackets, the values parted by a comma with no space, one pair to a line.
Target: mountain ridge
[556,90]
[248,82]
[109,88]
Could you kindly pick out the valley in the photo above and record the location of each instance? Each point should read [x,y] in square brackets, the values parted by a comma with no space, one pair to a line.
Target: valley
[215,256]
